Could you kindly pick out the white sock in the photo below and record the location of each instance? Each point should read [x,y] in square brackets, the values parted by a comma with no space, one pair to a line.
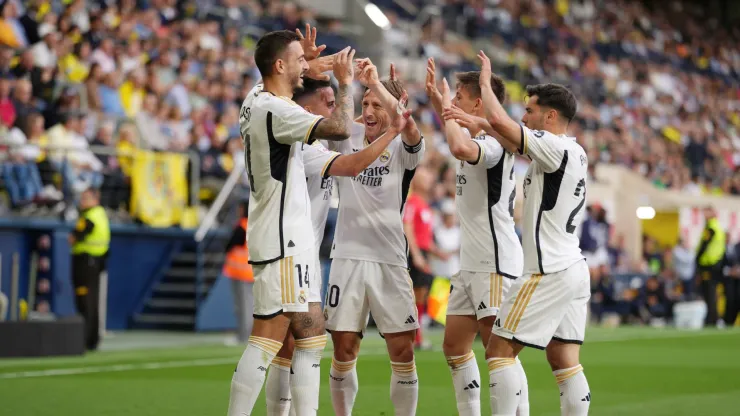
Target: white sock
[504,386]
[404,388]
[466,381]
[575,396]
[306,377]
[277,388]
[249,376]
[343,385]
[523,408]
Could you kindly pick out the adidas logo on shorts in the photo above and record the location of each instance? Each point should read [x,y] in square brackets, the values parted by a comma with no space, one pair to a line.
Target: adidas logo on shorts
[410,320]
[481,306]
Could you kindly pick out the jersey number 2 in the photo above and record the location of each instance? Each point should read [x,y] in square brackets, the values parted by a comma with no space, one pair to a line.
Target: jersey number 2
[302,278]
[580,189]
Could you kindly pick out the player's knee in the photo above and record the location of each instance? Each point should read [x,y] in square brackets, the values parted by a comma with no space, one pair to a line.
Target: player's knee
[401,347]
[346,346]
[499,347]
[562,355]
[451,348]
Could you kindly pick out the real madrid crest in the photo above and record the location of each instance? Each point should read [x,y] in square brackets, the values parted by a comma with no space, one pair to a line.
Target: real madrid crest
[385,156]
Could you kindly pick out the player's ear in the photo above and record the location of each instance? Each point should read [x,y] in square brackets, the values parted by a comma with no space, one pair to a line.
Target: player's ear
[279,66]
[478,104]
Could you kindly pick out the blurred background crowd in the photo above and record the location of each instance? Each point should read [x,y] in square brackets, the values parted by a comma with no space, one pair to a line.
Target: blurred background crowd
[84,83]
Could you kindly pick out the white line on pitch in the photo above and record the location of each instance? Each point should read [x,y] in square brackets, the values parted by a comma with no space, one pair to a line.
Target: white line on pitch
[203,362]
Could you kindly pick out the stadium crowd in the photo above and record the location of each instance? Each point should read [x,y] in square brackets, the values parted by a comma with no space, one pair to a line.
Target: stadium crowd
[659,89]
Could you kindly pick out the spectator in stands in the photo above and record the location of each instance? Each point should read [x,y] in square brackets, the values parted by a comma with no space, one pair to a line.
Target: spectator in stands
[115,190]
[22,100]
[683,262]
[7,109]
[652,255]
[653,301]
[239,271]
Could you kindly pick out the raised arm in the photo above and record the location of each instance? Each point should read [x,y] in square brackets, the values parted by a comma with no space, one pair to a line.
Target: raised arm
[353,164]
[339,125]
[509,132]
[411,135]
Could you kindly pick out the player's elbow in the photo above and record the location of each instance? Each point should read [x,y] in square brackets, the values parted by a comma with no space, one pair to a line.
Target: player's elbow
[457,151]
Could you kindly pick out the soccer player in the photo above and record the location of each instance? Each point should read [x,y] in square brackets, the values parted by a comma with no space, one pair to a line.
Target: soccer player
[546,308]
[317,97]
[281,243]
[490,252]
[370,271]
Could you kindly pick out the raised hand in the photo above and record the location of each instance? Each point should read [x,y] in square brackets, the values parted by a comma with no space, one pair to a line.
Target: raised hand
[446,94]
[318,66]
[485,69]
[431,88]
[472,123]
[366,72]
[402,114]
[343,66]
[310,50]
[393,74]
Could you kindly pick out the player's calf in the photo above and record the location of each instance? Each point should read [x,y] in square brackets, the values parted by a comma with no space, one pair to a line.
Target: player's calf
[277,387]
[460,334]
[575,394]
[310,340]
[504,375]
[249,376]
[404,380]
[343,382]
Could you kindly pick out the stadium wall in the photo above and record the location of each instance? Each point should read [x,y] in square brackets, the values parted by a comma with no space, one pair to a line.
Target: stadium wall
[138,257]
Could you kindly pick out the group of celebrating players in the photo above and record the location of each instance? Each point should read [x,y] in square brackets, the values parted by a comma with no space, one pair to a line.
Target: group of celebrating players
[299,134]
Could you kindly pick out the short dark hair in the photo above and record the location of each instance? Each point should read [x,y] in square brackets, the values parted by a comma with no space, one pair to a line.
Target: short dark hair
[555,96]
[269,47]
[310,87]
[471,81]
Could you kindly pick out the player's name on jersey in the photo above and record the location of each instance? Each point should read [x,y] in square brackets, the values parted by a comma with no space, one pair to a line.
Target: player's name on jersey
[372,176]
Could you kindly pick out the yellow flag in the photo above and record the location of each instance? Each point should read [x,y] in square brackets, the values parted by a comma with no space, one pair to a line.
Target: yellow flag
[439,294]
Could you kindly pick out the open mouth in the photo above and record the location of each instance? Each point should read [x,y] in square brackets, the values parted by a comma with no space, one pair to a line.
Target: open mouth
[369,123]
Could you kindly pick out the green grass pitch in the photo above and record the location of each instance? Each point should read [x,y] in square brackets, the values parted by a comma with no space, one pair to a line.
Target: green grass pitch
[631,371]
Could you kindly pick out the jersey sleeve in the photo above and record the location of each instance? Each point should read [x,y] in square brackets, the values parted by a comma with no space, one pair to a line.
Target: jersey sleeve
[291,123]
[490,152]
[543,147]
[317,159]
[412,155]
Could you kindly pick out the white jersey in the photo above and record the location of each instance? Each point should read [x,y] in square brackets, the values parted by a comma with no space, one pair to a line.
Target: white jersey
[273,130]
[318,159]
[488,240]
[554,199]
[369,225]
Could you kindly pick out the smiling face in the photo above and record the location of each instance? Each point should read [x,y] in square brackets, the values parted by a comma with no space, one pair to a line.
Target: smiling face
[293,64]
[374,116]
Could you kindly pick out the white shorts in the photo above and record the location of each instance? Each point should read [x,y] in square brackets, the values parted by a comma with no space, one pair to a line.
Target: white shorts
[541,308]
[358,288]
[477,293]
[286,285]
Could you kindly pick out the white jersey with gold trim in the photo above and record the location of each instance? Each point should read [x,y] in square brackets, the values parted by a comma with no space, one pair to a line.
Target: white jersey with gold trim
[274,130]
[554,201]
[486,190]
[369,225]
